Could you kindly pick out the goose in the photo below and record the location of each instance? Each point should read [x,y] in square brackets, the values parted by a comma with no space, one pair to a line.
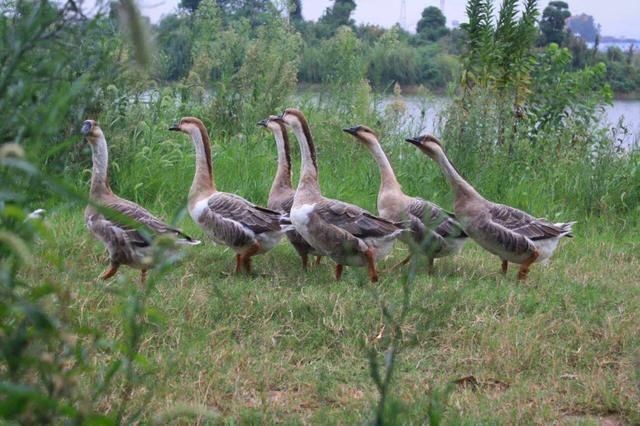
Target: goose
[126,244]
[282,192]
[434,230]
[344,232]
[511,234]
[228,219]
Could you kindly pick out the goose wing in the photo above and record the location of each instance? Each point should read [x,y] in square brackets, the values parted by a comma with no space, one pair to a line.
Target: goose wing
[523,223]
[113,233]
[141,215]
[424,214]
[255,218]
[355,220]
[281,203]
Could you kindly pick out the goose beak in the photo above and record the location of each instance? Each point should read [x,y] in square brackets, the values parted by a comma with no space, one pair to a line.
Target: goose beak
[175,127]
[352,130]
[414,141]
[263,123]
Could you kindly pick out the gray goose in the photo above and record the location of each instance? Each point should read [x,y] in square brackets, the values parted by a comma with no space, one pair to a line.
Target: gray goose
[434,231]
[511,234]
[127,245]
[228,219]
[282,192]
[346,233]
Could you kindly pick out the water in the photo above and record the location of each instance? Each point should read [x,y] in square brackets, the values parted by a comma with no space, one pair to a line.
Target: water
[622,117]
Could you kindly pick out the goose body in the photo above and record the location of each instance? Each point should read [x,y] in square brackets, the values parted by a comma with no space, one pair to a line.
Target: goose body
[344,232]
[282,192]
[126,243]
[434,231]
[511,234]
[228,219]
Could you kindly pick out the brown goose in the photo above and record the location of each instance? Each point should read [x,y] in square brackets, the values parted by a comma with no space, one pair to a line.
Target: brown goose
[127,245]
[282,192]
[346,233]
[434,230]
[511,234]
[228,219]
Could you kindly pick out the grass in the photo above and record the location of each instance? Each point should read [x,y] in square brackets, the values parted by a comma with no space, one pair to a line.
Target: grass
[289,347]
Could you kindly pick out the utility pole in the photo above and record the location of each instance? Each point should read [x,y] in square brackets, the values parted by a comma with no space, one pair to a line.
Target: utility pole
[403,14]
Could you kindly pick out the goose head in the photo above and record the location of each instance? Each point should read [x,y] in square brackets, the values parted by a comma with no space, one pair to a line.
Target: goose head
[293,118]
[428,144]
[189,125]
[362,133]
[273,123]
[91,130]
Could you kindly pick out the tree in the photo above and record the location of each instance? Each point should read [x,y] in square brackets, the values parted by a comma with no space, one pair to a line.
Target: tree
[431,26]
[584,26]
[295,11]
[336,16]
[253,10]
[189,5]
[552,24]
[174,40]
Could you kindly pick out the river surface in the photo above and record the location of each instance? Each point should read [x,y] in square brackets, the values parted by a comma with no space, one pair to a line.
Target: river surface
[622,117]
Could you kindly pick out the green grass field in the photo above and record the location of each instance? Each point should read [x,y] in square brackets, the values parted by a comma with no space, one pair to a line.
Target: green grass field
[291,347]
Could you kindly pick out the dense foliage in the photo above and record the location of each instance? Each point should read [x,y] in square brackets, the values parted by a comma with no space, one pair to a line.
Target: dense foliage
[523,126]
[430,57]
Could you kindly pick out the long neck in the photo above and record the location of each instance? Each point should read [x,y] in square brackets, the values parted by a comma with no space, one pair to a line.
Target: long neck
[99,177]
[283,173]
[203,182]
[461,188]
[308,169]
[388,179]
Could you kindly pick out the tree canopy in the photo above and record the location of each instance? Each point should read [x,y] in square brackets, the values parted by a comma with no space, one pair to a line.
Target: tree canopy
[432,24]
[553,22]
[584,26]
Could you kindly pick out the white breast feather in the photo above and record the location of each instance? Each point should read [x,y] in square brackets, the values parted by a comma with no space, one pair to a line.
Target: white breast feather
[198,209]
[300,216]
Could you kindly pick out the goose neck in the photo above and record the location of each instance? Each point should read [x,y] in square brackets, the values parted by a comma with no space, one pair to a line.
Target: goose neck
[309,169]
[388,180]
[461,188]
[203,180]
[283,173]
[99,172]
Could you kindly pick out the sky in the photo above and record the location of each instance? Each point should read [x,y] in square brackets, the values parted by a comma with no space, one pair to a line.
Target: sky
[617,17]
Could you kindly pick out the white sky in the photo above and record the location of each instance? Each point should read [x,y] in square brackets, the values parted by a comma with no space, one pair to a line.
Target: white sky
[617,17]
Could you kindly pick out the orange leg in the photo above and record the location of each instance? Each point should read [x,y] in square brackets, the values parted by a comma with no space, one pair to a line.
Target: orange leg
[238,263]
[371,263]
[318,259]
[143,276]
[110,272]
[246,257]
[505,265]
[305,260]
[524,268]
[339,268]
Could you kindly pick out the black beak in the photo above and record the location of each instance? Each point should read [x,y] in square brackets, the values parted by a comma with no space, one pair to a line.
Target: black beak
[175,127]
[263,123]
[414,141]
[352,130]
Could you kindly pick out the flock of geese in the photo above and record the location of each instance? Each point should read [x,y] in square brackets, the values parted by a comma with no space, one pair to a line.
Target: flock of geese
[316,225]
